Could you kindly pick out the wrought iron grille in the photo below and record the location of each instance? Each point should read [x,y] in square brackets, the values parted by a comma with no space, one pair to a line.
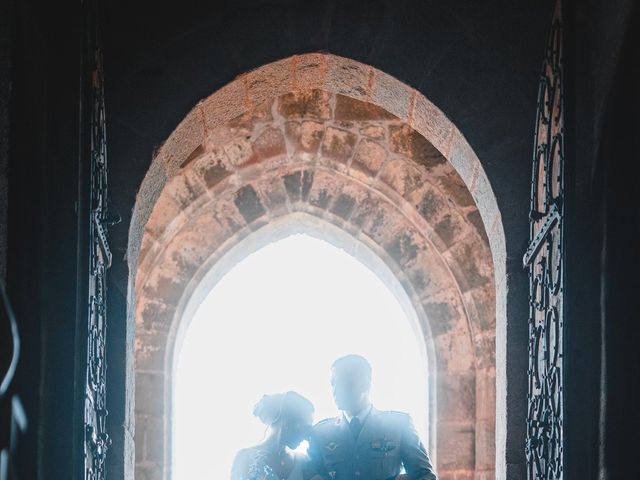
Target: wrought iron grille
[95,412]
[544,258]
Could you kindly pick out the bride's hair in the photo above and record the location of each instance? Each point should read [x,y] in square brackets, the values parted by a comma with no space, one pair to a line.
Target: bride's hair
[272,408]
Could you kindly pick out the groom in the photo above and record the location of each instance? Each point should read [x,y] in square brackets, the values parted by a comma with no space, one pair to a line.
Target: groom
[364,443]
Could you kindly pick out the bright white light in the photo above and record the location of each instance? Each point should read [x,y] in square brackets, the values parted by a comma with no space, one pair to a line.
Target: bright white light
[275,322]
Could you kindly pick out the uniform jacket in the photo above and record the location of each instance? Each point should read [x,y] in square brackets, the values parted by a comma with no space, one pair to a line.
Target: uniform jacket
[387,442]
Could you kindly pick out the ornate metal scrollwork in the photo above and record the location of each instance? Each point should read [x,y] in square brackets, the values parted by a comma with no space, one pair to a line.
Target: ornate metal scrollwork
[545,258]
[95,412]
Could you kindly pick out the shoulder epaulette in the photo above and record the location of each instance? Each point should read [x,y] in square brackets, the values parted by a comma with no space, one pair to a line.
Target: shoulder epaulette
[396,412]
[325,421]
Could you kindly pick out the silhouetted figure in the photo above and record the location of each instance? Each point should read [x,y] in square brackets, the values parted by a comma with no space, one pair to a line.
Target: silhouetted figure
[289,417]
[364,443]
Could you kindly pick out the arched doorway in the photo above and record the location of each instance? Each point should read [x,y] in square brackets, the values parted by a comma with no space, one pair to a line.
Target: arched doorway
[340,141]
[275,322]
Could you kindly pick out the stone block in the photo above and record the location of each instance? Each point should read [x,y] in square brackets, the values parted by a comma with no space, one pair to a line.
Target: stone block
[485,350]
[212,168]
[430,203]
[350,109]
[451,228]
[456,396]
[374,131]
[456,475]
[468,263]
[485,445]
[189,134]
[153,315]
[444,313]
[164,212]
[474,218]
[149,393]
[481,305]
[456,446]
[140,446]
[485,474]
[185,189]
[363,212]
[150,351]
[402,175]
[268,82]
[155,438]
[310,70]
[369,157]
[305,104]
[273,194]
[250,119]
[486,394]
[148,472]
[432,124]
[164,284]
[463,159]
[455,189]
[323,189]
[343,205]
[454,350]
[404,247]
[225,104]
[391,94]
[249,204]
[148,246]
[270,143]
[347,77]
[239,152]
[304,137]
[338,145]
[407,142]
[298,184]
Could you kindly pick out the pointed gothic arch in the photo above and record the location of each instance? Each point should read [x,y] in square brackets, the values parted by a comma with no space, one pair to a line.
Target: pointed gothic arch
[329,137]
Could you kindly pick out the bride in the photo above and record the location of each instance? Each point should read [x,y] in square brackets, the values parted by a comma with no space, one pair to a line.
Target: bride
[289,417]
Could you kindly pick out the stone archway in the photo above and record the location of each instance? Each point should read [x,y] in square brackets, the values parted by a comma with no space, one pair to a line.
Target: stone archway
[343,142]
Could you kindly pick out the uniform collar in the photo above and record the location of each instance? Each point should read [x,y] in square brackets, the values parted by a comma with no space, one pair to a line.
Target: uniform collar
[362,414]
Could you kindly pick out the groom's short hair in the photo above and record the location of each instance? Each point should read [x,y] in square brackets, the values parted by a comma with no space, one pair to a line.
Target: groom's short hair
[354,364]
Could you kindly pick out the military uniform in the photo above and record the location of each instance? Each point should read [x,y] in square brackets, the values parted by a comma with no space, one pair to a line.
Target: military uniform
[387,442]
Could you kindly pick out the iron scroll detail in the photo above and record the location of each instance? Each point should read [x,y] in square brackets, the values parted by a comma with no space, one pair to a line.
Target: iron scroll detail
[544,258]
[97,441]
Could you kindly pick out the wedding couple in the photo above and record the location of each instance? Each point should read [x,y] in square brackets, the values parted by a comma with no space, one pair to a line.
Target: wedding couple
[362,443]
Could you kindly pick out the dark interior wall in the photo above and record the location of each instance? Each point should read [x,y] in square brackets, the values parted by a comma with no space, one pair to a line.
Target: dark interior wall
[5,93]
[620,283]
[42,228]
[597,34]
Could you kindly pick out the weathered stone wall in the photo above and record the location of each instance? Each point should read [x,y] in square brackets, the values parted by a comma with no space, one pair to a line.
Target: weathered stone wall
[364,168]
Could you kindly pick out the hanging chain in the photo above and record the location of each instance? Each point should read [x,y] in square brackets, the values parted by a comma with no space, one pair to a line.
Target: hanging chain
[544,258]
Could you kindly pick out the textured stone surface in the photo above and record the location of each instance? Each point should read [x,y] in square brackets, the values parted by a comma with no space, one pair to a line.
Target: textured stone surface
[369,157]
[348,144]
[349,109]
[456,446]
[305,137]
[307,104]
[338,144]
